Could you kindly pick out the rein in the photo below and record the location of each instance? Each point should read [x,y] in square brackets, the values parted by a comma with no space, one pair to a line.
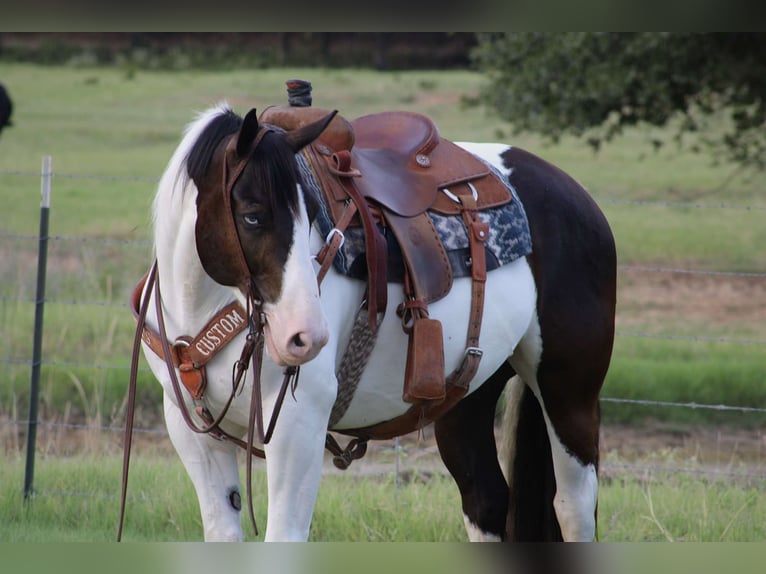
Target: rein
[252,354]
[193,372]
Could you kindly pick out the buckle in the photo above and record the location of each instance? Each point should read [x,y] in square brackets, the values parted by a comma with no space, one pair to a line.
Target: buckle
[176,348]
[474,351]
[333,231]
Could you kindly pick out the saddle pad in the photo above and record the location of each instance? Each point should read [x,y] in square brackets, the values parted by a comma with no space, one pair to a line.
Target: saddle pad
[509,236]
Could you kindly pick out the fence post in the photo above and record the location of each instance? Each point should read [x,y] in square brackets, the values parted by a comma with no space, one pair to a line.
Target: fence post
[34,389]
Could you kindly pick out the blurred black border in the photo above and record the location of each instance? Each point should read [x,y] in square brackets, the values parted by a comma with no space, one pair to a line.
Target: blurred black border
[390,15]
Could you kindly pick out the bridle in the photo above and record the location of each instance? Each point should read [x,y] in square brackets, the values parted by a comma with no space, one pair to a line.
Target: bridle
[251,355]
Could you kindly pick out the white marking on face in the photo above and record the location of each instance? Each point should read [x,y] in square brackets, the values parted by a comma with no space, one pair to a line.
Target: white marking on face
[296,327]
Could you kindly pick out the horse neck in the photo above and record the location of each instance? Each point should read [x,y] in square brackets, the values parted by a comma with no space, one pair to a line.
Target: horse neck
[189,296]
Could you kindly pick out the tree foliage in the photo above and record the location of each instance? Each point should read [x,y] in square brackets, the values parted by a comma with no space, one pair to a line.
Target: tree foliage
[709,88]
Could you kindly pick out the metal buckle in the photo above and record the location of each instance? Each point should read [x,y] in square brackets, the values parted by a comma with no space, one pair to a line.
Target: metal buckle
[474,351]
[333,231]
[174,348]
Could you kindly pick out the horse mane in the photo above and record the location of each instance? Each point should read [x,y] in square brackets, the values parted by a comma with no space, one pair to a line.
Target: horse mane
[176,177]
[223,124]
[273,166]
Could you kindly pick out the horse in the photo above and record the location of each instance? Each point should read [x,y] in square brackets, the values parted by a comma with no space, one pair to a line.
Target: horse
[6,108]
[236,244]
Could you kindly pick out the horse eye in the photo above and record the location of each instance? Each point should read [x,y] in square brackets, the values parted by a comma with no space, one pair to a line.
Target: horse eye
[252,220]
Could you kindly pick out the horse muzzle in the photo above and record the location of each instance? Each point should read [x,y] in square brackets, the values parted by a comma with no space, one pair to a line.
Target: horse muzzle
[294,348]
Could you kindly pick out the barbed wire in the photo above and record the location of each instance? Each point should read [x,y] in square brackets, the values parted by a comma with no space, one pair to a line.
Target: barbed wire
[79,239]
[644,468]
[656,203]
[53,363]
[694,338]
[65,301]
[617,400]
[647,269]
[635,468]
[691,405]
[75,426]
[97,177]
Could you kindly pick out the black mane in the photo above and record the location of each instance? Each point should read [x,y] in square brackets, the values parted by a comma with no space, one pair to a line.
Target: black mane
[273,166]
[201,153]
[275,169]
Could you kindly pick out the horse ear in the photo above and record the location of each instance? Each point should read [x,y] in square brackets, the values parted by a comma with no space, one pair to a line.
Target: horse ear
[247,133]
[299,138]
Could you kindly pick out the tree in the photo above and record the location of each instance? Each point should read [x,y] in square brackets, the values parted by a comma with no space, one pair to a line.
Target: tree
[709,88]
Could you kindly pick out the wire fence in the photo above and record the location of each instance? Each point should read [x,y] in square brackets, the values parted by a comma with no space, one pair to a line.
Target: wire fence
[11,300]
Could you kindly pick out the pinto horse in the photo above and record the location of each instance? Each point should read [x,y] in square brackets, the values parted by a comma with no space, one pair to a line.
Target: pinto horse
[236,260]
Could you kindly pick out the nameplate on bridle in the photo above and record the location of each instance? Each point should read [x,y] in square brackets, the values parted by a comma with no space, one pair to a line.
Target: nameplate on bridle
[226,325]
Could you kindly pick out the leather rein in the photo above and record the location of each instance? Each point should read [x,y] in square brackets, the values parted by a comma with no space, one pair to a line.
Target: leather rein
[186,354]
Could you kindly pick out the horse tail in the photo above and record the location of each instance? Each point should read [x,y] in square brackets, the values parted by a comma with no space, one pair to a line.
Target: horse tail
[528,468]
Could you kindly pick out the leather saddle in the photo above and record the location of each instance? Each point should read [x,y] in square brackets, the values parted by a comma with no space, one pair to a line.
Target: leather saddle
[387,171]
[400,164]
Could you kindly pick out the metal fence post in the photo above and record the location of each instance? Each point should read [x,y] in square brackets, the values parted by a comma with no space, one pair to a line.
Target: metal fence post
[34,392]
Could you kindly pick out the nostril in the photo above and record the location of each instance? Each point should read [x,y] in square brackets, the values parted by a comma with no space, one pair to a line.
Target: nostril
[298,341]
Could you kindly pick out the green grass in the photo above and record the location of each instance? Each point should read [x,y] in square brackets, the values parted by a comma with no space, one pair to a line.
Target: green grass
[77,501]
[680,508]
[705,239]
[686,372]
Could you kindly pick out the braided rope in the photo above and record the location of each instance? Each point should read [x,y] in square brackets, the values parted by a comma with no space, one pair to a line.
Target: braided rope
[352,365]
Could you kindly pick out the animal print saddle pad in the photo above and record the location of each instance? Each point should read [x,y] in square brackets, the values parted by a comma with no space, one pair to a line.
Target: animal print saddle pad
[509,236]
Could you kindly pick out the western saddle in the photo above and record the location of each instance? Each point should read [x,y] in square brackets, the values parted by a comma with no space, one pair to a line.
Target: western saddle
[386,171]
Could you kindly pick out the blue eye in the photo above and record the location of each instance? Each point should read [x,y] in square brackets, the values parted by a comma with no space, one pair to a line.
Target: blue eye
[252,220]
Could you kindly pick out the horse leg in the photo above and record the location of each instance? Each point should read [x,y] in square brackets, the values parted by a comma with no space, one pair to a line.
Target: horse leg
[294,459]
[573,438]
[466,441]
[560,405]
[212,467]
[573,431]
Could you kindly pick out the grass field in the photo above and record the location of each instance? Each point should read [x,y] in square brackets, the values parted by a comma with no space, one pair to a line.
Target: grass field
[78,501]
[110,133]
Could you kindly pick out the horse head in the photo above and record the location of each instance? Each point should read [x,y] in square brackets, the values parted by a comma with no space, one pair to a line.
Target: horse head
[252,233]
